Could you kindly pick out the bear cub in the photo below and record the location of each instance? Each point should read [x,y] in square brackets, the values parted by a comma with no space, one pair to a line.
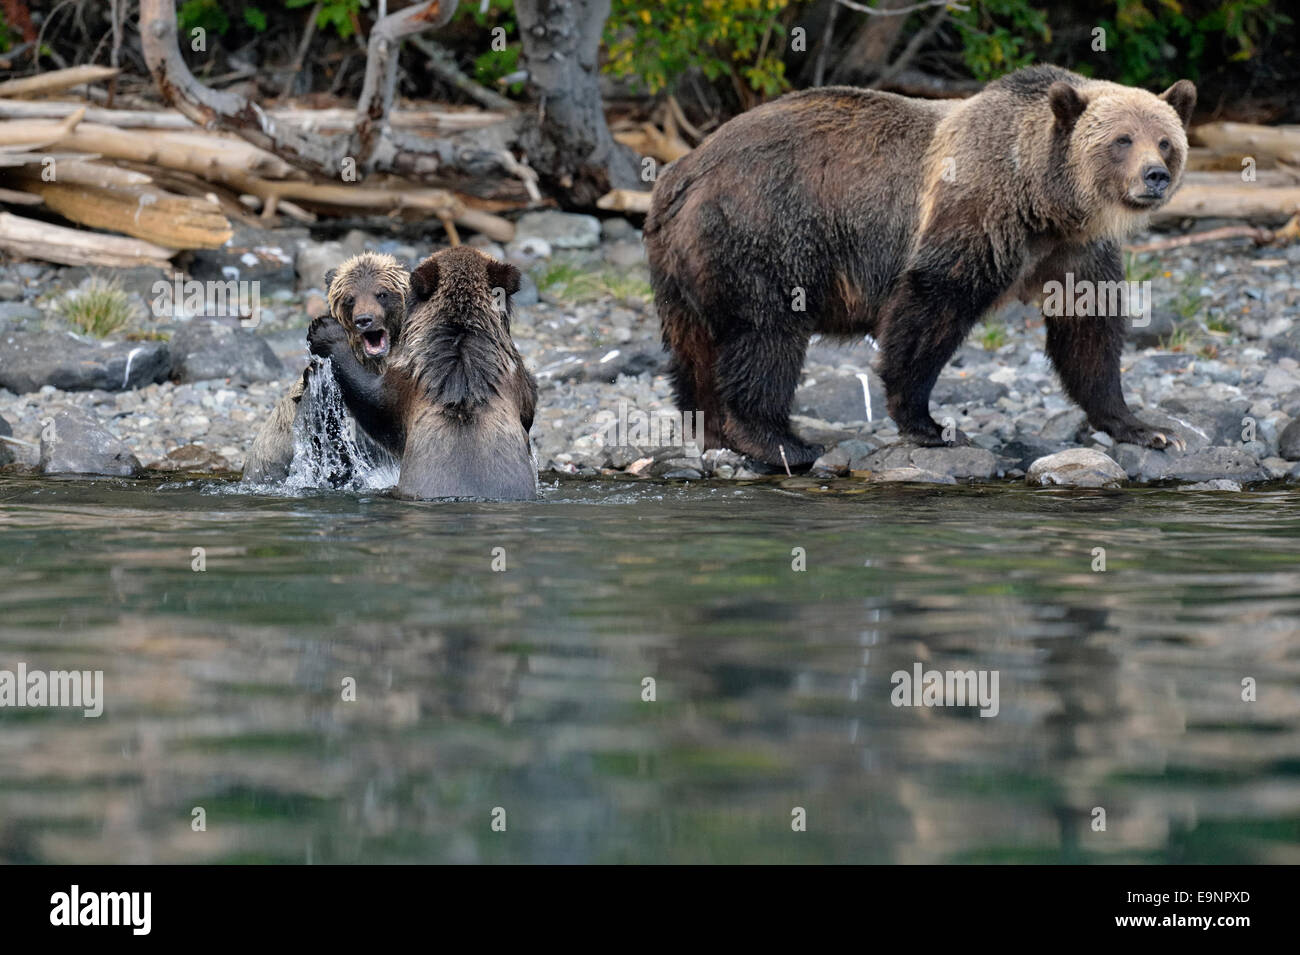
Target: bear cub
[367,295]
[454,401]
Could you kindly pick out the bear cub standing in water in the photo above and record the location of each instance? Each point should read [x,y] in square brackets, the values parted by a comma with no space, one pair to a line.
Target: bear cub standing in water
[455,401]
[367,294]
[906,220]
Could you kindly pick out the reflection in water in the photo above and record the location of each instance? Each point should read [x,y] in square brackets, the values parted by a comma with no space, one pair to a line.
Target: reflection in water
[522,689]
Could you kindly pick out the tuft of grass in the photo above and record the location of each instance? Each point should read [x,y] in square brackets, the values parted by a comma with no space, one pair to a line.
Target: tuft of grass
[992,336]
[99,308]
[1180,339]
[571,284]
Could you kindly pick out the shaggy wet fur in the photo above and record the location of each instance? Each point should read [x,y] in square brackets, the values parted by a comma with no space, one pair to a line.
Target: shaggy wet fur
[906,220]
[455,402]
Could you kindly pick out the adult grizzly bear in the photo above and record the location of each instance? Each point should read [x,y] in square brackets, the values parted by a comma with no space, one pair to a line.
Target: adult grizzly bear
[455,401]
[367,294]
[906,220]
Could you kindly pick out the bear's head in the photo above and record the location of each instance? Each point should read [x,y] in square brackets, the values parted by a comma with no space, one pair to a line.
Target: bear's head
[368,294]
[463,287]
[1126,147]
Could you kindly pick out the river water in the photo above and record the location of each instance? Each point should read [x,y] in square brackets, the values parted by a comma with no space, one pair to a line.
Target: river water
[639,672]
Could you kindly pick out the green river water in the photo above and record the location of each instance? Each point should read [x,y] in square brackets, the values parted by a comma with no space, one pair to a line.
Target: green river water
[515,696]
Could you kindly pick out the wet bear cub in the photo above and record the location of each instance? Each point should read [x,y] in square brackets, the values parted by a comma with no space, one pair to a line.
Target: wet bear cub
[367,294]
[455,401]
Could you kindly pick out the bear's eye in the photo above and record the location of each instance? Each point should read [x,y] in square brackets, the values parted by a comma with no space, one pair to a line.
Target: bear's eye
[1123,141]
[1164,145]
[348,301]
[382,298]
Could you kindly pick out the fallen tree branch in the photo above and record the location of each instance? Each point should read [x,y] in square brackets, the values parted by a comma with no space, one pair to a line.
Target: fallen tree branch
[51,243]
[56,80]
[1285,235]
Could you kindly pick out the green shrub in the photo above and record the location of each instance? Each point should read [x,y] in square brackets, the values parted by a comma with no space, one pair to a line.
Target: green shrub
[653,42]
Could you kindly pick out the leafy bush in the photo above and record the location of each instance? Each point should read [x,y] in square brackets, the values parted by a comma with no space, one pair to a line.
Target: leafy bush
[491,65]
[653,42]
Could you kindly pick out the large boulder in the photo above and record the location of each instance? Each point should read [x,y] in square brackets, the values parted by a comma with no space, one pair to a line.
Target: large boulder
[30,360]
[206,349]
[1076,467]
[72,442]
[562,230]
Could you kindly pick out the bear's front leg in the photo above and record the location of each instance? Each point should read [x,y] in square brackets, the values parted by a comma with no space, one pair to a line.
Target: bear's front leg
[364,392]
[1086,349]
[1086,352]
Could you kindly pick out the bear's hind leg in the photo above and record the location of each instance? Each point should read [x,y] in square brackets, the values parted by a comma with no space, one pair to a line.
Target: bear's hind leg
[757,373]
[691,370]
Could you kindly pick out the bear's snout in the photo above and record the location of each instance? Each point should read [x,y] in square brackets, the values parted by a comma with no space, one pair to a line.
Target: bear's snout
[1156,178]
[363,321]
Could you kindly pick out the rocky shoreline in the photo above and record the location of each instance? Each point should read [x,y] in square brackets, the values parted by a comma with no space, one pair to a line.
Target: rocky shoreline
[1218,364]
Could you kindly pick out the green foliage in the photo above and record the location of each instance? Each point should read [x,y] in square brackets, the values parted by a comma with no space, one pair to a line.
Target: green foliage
[6,40]
[491,65]
[1148,42]
[339,14]
[1159,41]
[998,35]
[653,42]
[205,15]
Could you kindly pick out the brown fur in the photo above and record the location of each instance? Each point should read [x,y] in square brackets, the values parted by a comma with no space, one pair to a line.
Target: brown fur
[906,220]
[456,402]
[366,284]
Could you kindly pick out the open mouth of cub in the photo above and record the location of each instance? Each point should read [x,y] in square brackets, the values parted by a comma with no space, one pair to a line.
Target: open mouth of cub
[375,342]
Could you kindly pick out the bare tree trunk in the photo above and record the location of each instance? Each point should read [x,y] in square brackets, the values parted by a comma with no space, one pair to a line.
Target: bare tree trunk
[567,140]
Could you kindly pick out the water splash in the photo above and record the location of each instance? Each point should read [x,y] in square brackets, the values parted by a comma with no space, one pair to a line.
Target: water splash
[327,449]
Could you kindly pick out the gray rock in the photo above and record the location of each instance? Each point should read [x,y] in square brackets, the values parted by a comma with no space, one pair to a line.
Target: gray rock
[1159,325]
[526,251]
[968,391]
[314,261]
[1286,345]
[1064,426]
[10,291]
[205,349]
[1207,464]
[624,254]
[911,476]
[1288,443]
[613,230]
[1216,485]
[960,462]
[527,294]
[31,360]
[18,314]
[1218,422]
[1025,450]
[603,364]
[563,230]
[6,449]
[1076,467]
[72,442]
[251,255]
[841,399]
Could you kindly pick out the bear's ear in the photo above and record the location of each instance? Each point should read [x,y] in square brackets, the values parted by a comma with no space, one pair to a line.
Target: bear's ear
[503,275]
[1067,104]
[424,280]
[330,276]
[1182,97]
